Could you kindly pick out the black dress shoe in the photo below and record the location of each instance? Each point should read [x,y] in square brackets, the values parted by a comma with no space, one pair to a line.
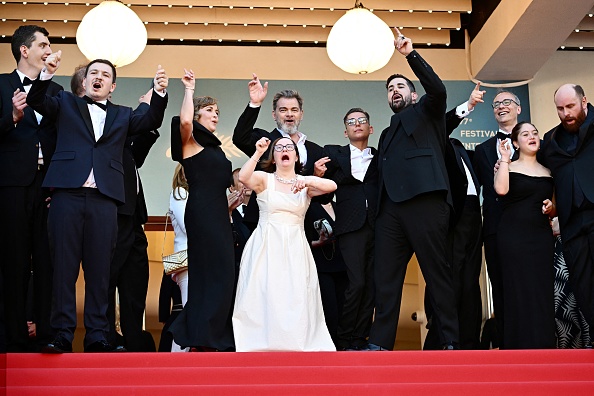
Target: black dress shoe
[58,345]
[374,348]
[104,346]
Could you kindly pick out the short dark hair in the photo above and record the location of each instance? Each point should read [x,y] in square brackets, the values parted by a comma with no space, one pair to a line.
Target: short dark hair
[268,165]
[408,82]
[76,80]
[24,35]
[356,110]
[289,94]
[516,132]
[104,61]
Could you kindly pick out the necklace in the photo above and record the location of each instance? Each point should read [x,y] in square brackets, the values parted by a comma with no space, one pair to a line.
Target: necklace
[285,181]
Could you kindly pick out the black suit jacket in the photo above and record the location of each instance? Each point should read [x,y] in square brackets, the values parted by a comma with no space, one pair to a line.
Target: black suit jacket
[19,146]
[245,136]
[77,152]
[568,168]
[356,201]
[412,149]
[135,152]
[485,157]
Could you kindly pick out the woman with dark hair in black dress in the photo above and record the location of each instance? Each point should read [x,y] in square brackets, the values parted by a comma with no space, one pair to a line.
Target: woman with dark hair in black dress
[525,243]
[205,322]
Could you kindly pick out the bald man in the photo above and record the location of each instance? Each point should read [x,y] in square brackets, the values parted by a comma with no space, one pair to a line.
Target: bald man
[568,151]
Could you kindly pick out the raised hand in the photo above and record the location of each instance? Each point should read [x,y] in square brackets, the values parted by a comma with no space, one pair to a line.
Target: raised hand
[504,149]
[161,80]
[476,96]
[320,166]
[52,62]
[257,91]
[403,44]
[262,145]
[188,79]
[19,102]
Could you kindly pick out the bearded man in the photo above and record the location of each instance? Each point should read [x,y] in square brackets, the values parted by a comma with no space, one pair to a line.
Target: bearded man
[287,112]
[568,151]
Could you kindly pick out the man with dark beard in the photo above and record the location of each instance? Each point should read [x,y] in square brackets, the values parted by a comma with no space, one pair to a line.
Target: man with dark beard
[568,151]
[414,203]
[287,111]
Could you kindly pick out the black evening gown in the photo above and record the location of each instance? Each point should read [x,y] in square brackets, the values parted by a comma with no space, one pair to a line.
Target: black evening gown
[525,244]
[205,320]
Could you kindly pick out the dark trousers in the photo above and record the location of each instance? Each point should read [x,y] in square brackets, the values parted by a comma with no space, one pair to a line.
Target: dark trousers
[82,227]
[579,256]
[494,270]
[357,248]
[418,225]
[465,244]
[129,272]
[25,248]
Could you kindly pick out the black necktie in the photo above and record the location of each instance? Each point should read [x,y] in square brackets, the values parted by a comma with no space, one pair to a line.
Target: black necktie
[92,102]
[27,81]
[503,136]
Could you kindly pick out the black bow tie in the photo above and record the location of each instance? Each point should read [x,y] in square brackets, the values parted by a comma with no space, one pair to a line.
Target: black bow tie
[503,136]
[92,102]
[27,81]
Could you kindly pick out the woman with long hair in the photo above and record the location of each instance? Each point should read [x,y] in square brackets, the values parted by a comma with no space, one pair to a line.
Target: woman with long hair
[205,322]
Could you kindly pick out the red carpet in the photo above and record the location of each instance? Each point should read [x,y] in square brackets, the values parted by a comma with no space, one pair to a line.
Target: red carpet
[542,372]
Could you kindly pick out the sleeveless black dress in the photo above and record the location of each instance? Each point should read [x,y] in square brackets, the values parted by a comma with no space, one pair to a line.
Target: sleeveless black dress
[206,319]
[525,244]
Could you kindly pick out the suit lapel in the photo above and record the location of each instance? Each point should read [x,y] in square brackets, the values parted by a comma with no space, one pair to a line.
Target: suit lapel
[15,81]
[84,111]
[344,159]
[112,112]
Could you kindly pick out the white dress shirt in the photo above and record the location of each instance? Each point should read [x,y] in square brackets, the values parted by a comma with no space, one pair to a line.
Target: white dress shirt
[360,160]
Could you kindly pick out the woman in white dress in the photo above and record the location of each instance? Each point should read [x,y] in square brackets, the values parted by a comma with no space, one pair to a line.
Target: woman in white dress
[278,305]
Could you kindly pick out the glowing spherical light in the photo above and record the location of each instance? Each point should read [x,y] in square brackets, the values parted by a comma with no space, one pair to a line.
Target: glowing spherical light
[360,42]
[111,31]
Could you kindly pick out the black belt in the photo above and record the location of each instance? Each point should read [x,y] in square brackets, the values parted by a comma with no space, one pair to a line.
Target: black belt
[40,167]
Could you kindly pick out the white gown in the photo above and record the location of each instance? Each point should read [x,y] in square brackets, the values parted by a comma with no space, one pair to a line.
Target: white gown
[278,306]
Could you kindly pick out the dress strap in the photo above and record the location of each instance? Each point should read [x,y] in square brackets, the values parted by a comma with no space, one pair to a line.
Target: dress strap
[271,182]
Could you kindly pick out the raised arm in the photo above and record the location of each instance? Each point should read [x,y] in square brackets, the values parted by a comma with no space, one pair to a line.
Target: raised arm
[186,115]
[37,98]
[501,182]
[244,134]
[435,98]
[255,181]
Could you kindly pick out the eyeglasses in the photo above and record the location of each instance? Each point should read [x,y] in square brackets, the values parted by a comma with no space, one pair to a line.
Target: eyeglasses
[360,120]
[505,102]
[280,147]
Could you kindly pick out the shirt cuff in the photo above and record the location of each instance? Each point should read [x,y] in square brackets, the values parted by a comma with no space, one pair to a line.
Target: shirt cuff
[44,75]
[253,106]
[463,110]
[161,94]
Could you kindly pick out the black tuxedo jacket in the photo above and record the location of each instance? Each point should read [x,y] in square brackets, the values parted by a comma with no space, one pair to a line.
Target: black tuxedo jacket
[568,168]
[135,152]
[245,136]
[485,157]
[77,152]
[356,201]
[412,149]
[19,146]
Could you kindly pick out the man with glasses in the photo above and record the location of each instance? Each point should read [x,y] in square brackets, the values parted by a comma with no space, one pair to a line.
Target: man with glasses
[354,169]
[287,111]
[414,202]
[506,109]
